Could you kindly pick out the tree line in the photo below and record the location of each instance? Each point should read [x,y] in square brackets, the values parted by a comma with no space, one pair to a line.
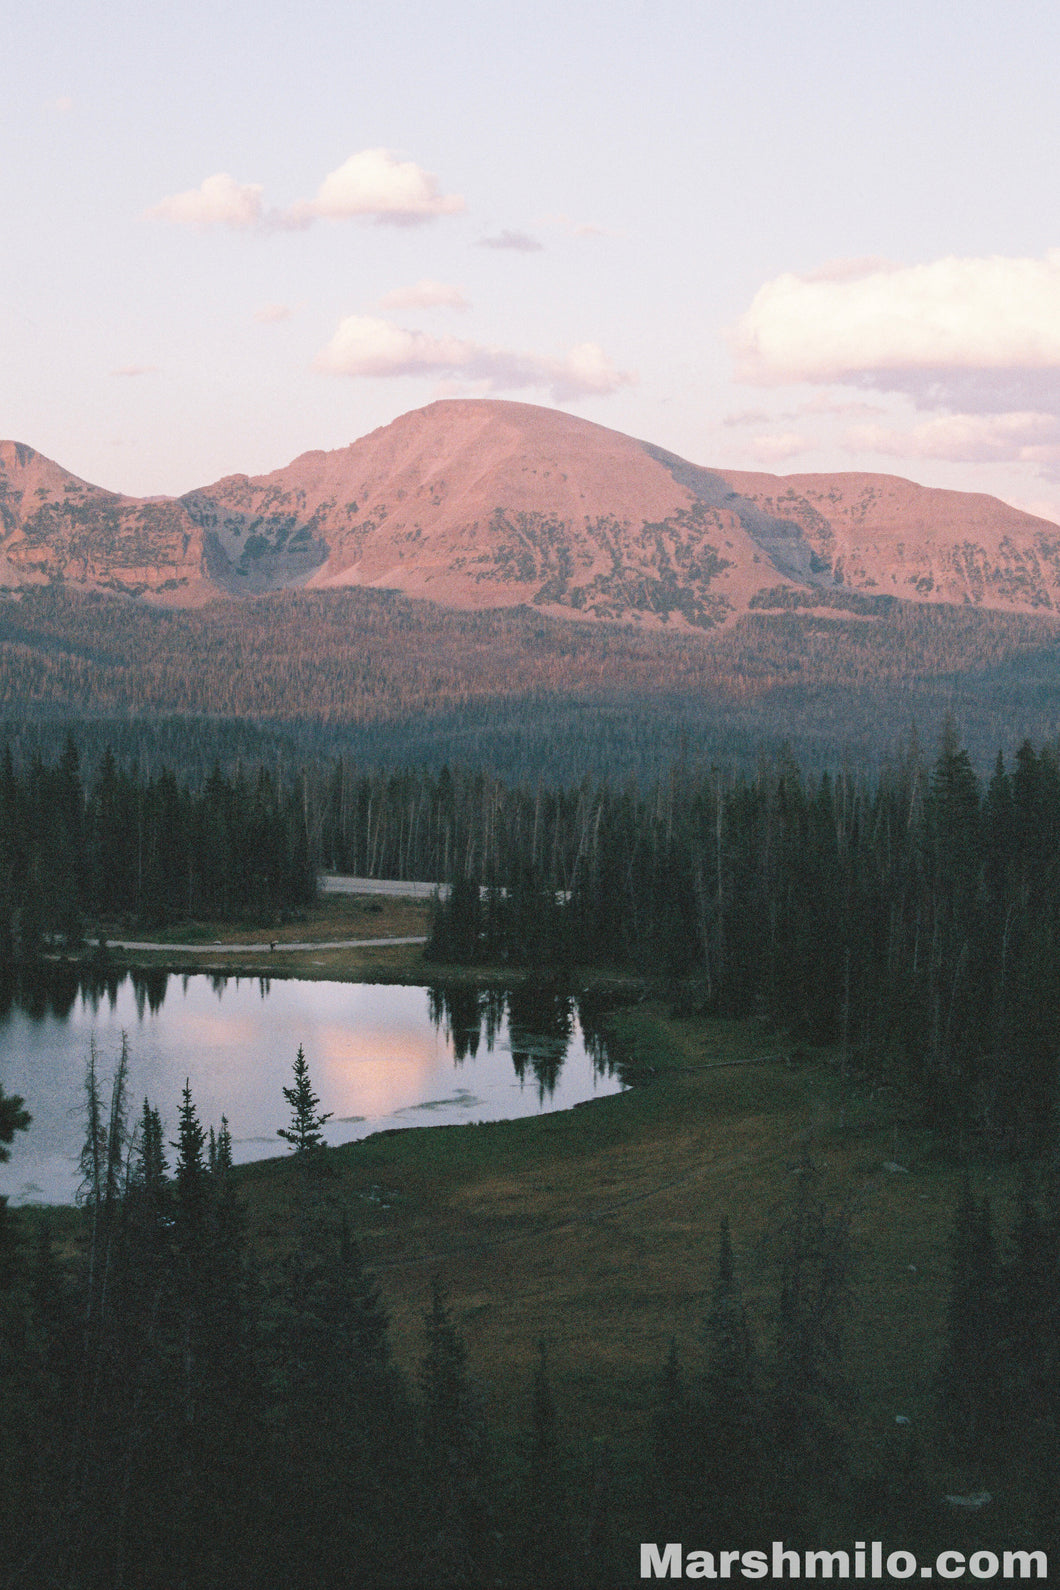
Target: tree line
[911,916]
[145,850]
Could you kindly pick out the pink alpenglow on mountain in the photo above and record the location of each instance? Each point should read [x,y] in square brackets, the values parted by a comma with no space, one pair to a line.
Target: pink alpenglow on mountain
[483,503]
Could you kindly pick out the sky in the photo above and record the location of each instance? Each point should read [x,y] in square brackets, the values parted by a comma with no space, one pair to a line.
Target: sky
[782,235]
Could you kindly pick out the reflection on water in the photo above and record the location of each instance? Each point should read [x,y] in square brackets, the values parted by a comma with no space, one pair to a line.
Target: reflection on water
[379,1056]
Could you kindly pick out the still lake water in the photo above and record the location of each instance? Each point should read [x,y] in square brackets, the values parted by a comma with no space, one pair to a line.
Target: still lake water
[379,1056]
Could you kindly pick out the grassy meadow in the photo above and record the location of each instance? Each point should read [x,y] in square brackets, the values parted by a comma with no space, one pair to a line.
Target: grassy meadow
[596,1230]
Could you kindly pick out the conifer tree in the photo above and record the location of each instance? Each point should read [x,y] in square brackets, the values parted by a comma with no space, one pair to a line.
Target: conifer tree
[540,1508]
[305,1133]
[731,1411]
[13,1118]
[969,1380]
[190,1231]
[343,1460]
[1030,1332]
[806,1458]
[675,1455]
[453,1454]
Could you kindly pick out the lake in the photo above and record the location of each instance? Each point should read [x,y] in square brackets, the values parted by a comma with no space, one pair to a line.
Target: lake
[379,1056]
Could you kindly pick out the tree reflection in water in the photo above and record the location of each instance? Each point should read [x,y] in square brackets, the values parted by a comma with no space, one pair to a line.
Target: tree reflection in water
[541,1023]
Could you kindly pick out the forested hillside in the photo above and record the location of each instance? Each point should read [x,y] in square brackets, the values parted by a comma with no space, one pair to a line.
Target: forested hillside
[297,678]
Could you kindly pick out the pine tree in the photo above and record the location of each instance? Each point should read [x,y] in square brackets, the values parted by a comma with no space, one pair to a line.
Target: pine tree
[343,1457]
[305,1133]
[13,1118]
[453,1454]
[809,1388]
[190,1241]
[969,1380]
[676,1459]
[732,1411]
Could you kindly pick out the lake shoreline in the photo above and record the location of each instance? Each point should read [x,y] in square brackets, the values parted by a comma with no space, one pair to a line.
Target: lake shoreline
[420,1050]
[406,970]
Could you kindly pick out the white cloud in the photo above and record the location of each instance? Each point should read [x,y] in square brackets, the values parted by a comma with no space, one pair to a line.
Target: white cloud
[973,333]
[521,242]
[1028,438]
[272,314]
[374,183]
[774,449]
[364,346]
[219,201]
[425,294]
[586,369]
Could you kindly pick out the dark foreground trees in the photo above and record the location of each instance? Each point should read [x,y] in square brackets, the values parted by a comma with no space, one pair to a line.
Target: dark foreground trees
[179,1408]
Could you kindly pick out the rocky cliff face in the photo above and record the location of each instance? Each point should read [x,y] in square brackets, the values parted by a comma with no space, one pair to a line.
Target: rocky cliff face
[57,529]
[487,504]
[881,534]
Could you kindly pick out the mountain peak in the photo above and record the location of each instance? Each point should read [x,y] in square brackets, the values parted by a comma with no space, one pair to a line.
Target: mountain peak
[484,502]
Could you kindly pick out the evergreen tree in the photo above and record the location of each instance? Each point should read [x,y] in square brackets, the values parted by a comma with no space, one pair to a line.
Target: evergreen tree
[342,1459]
[538,1536]
[805,1456]
[13,1118]
[305,1133]
[969,1380]
[453,1455]
[732,1412]
[676,1459]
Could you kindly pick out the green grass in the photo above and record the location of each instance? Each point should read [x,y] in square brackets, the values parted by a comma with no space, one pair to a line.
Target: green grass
[596,1229]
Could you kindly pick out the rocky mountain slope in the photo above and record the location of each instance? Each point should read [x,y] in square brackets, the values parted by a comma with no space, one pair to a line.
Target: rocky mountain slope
[55,528]
[481,503]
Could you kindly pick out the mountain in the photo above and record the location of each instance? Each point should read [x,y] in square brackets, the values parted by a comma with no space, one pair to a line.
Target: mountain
[484,504]
[58,529]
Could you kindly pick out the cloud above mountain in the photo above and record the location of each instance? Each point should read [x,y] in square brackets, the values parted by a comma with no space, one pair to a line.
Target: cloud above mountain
[977,334]
[370,347]
[1025,438]
[218,201]
[372,184]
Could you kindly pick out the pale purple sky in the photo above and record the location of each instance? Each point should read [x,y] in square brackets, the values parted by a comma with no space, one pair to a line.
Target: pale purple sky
[794,237]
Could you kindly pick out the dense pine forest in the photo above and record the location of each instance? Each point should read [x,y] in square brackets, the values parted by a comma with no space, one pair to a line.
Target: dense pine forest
[140,850]
[913,918]
[299,678]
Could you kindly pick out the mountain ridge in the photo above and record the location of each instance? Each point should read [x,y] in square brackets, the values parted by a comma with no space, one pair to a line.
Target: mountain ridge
[478,503]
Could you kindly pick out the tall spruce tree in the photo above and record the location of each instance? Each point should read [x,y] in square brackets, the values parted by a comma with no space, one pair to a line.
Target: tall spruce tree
[305,1133]
[731,1411]
[453,1454]
[970,1383]
[806,1457]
